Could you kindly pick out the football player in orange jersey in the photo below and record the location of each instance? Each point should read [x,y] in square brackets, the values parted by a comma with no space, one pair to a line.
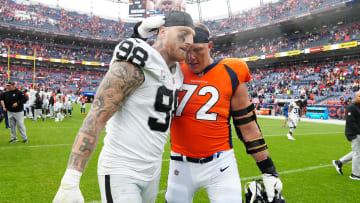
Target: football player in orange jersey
[201,140]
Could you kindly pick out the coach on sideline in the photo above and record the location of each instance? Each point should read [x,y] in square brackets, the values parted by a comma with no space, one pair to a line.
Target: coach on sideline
[13,101]
[352,132]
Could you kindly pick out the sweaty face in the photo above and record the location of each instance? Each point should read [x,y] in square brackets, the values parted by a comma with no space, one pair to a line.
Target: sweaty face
[198,57]
[179,40]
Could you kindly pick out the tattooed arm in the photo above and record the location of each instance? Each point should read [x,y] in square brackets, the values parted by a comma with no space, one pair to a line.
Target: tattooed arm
[122,79]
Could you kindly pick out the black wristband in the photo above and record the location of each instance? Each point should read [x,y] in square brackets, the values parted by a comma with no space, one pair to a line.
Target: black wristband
[136,34]
[267,166]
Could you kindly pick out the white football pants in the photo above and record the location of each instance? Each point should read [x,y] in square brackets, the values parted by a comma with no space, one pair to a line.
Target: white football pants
[127,189]
[220,178]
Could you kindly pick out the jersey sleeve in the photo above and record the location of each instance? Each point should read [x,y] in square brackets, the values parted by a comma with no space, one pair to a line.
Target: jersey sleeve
[132,50]
[240,67]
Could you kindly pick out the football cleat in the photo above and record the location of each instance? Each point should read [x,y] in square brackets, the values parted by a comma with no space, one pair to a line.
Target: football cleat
[290,137]
[13,140]
[354,177]
[338,165]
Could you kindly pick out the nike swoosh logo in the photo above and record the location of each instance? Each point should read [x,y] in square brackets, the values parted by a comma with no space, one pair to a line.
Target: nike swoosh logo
[223,169]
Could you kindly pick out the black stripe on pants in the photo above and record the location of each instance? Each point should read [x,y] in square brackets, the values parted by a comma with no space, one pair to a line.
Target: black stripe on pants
[108,189]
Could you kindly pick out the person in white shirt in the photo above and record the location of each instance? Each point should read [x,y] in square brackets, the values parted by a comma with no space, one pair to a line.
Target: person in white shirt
[68,106]
[135,100]
[294,117]
[31,104]
[45,98]
[58,106]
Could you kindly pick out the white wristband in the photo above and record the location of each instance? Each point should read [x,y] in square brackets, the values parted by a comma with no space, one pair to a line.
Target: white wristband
[71,177]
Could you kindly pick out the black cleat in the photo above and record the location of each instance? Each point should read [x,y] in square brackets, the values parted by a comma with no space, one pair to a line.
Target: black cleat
[338,165]
[13,140]
[25,141]
[354,177]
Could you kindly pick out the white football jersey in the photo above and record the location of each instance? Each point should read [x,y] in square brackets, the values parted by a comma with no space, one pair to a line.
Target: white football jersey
[136,133]
[294,111]
[59,98]
[45,96]
[32,97]
[68,98]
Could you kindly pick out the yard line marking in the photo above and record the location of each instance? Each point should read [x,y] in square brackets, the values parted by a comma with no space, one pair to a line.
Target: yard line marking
[254,177]
[291,171]
[35,146]
[42,127]
[323,133]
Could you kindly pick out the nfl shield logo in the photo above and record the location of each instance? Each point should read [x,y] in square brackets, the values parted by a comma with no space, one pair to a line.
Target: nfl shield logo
[176,172]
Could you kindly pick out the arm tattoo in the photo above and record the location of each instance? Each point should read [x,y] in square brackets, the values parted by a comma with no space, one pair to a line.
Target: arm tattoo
[120,81]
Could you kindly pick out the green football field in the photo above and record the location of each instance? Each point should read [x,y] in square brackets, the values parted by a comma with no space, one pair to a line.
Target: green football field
[32,172]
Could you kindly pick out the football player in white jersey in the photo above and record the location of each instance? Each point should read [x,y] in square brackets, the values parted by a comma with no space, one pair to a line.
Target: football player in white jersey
[68,106]
[294,117]
[31,103]
[58,106]
[135,100]
[46,97]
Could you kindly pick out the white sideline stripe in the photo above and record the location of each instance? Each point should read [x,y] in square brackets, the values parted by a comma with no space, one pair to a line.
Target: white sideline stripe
[235,136]
[292,171]
[42,127]
[35,146]
[324,133]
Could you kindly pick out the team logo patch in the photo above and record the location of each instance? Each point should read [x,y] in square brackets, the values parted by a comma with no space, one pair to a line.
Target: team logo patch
[176,172]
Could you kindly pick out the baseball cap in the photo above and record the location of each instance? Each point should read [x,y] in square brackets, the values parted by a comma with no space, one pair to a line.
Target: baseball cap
[10,83]
[178,18]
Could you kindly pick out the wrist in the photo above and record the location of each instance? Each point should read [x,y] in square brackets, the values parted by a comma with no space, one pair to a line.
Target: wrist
[71,177]
[267,166]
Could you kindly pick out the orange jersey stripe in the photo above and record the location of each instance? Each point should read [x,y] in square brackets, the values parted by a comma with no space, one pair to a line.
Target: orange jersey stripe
[201,126]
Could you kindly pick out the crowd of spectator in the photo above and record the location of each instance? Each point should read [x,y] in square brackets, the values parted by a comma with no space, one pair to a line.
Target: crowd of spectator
[59,20]
[62,21]
[331,81]
[329,35]
[268,13]
[53,50]
[328,81]
[52,78]
[313,82]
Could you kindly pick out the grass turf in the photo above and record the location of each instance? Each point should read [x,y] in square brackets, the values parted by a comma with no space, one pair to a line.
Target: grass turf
[32,172]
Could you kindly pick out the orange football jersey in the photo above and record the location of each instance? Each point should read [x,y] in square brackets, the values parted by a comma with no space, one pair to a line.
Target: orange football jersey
[201,125]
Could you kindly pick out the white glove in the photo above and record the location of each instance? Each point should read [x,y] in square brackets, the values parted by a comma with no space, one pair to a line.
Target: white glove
[69,191]
[150,25]
[272,184]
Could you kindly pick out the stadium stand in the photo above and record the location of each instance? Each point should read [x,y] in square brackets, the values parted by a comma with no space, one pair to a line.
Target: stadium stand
[62,21]
[75,48]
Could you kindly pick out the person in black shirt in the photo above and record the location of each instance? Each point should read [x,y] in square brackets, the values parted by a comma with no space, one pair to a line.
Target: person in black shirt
[38,107]
[3,114]
[352,132]
[13,101]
